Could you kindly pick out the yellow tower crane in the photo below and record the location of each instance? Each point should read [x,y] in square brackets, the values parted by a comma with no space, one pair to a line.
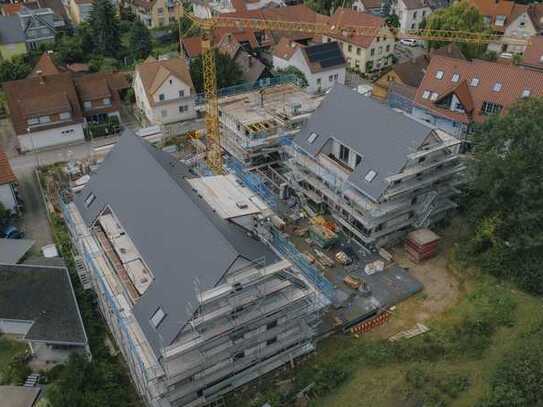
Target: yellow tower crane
[208,25]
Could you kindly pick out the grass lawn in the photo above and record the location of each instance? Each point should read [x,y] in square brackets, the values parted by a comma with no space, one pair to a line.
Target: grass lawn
[9,348]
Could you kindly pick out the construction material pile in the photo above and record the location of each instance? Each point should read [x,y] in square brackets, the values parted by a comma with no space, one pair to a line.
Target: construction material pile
[421,245]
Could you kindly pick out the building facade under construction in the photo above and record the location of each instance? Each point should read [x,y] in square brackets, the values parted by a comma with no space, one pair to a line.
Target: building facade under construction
[254,123]
[378,172]
[197,301]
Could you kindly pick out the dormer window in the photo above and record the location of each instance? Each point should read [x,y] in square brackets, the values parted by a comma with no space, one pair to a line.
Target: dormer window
[158,317]
[500,21]
[497,87]
[89,199]
[106,101]
[65,115]
[526,93]
[439,74]
[434,96]
[455,77]
[426,94]
[474,82]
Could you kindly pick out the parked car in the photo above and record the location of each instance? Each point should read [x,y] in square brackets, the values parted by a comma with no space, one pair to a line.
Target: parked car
[410,42]
[11,232]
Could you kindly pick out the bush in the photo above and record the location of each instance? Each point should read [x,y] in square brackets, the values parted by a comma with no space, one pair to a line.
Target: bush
[15,371]
[431,389]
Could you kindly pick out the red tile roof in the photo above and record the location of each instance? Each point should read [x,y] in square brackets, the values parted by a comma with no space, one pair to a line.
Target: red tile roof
[192,46]
[6,173]
[45,66]
[285,48]
[513,82]
[346,16]
[533,55]
[493,9]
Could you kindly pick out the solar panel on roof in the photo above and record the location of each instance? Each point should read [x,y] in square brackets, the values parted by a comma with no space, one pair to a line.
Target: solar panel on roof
[327,54]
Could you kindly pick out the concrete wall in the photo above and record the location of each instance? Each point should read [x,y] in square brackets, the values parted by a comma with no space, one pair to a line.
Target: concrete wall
[53,137]
[7,197]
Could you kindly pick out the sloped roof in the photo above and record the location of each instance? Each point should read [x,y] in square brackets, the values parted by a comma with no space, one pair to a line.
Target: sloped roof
[153,73]
[47,94]
[43,295]
[382,136]
[350,17]
[371,4]
[493,9]
[322,57]
[45,66]
[449,50]
[173,229]
[533,55]
[415,4]
[192,46]
[6,173]
[11,31]
[513,79]
[285,48]
[411,72]
[462,92]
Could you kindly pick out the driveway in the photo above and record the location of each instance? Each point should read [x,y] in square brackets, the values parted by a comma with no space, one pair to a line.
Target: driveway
[405,53]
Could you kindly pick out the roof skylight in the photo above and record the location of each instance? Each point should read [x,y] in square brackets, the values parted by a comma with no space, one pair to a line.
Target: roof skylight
[370,175]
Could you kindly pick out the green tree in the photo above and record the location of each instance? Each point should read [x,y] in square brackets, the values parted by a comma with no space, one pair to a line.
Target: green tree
[104,28]
[505,196]
[393,21]
[101,64]
[292,70]
[460,16]
[228,71]
[139,41]
[15,69]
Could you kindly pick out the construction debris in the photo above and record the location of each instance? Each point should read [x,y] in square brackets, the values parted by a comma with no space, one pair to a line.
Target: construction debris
[421,244]
[410,333]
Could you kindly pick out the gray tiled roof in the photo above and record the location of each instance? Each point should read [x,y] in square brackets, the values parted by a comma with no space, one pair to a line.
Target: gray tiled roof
[382,136]
[11,31]
[45,296]
[13,250]
[181,239]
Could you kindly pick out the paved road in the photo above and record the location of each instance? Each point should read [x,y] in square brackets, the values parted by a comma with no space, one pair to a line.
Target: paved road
[404,53]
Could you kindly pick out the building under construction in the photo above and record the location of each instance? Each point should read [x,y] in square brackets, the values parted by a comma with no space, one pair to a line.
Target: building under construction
[197,300]
[254,123]
[378,172]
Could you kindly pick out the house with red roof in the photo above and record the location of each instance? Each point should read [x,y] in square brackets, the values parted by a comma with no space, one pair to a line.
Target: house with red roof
[364,53]
[455,94]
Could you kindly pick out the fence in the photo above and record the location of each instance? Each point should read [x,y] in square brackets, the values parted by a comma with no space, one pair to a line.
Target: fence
[251,86]
[252,181]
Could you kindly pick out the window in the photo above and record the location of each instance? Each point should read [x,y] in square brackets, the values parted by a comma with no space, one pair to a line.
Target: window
[413,26]
[271,325]
[474,82]
[161,96]
[490,108]
[358,51]
[358,160]
[372,51]
[87,105]
[318,81]
[455,77]
[65,115]
[181,93]
[33,121]
[415,14]
[370,175]
[163,113]
[497,87]
[424,13]
[183,108]
[343,153]
[158,317]
[380,51]
[330,78]
[106,101]
[350,48]
[500,20]
[439,74]
[388,48]
[525,93]
[45,119]
[312,137]
[434,96]
[89,199]
[336,77]
[271,341]
[426,94]
[171,81]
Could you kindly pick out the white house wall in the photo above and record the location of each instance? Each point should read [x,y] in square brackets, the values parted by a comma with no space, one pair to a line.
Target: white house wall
[52,137]
[7,198]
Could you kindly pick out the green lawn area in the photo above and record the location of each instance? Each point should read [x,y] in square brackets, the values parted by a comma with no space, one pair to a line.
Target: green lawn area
[8,349]
[386,385]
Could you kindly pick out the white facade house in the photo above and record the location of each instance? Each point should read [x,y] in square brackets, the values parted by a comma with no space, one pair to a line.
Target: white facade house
[411,13]
[164,91]
[323,65]
[8,196]
[37,139]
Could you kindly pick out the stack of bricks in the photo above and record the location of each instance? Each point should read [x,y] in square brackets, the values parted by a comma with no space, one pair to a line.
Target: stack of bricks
[421,245]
